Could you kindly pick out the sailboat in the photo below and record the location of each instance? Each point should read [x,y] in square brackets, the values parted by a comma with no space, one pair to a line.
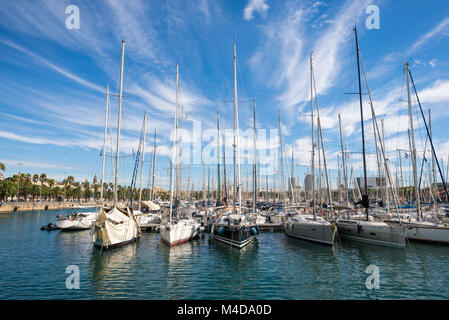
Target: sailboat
[234,228]
[368,230]
[116,225]
[177,229]
[311,227]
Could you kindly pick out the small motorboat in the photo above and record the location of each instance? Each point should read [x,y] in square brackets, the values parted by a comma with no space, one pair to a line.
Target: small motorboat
[76,221]
[50,227]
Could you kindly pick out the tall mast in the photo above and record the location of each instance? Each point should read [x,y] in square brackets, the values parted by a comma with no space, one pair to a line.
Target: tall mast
[313,143]
[282,156]
[329,194]
[224,172]
[318,136]
[237,187]
[292,174]
[104,141]
[254,157]
[338,178]
[153,166]
[208,186]
[218,159]
[143,159]
[400,167]
[266,182]
[175,151]
[117,153]
[343,158]
[412,139]
[204,183]
[365,198]
[386,178]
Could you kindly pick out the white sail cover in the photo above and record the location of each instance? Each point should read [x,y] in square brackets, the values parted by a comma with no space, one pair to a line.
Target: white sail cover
[114,227]
[151,205]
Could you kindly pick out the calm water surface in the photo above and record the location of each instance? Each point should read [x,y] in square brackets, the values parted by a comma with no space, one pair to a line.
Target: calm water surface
[33,264]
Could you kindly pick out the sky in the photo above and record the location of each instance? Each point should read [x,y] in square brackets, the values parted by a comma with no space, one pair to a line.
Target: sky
[54,78]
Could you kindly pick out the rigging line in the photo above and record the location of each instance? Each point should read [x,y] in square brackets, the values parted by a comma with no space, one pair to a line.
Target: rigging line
[428,134]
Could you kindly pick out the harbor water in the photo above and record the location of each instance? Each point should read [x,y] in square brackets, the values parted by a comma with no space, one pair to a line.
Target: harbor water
[33,266]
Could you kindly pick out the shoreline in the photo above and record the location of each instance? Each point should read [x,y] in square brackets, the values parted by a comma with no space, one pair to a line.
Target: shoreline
[42,206]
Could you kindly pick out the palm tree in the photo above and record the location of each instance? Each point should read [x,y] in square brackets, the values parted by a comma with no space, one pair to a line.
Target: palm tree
[27,179]
[87,192]
[51,184]
[42,179]
[2,166]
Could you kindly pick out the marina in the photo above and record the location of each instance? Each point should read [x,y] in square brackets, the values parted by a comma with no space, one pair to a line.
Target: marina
[286,152]
[274,266]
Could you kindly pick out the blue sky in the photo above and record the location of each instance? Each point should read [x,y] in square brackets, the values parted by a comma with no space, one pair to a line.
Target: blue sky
[53,79]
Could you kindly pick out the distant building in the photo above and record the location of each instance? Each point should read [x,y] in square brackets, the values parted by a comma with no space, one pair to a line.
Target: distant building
[2,177]
[95,180]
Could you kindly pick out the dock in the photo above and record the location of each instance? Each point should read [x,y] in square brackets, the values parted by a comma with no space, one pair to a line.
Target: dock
[149,226]
[271,227]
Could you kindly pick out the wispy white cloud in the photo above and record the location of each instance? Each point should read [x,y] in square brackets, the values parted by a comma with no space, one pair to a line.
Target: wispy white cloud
[255,6]
[443,26]
[56,68]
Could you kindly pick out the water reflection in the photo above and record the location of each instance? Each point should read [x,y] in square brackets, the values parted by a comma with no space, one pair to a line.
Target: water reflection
[112,270]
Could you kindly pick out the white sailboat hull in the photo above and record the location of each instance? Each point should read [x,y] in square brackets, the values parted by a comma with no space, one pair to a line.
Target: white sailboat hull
[428,233]
[81,221]
[74,224]
[183,231]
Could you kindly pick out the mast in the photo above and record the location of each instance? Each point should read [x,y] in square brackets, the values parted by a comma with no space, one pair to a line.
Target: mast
[343,158]
[266,182]
[224,172]
[208,187]
[254,158]
[282,156]
[402,177]
[292,173]
[153,166]
[175,138]
[338,178]
[365,198]
[412,137]
[322,148]
[218,159]
[104,141]
[320,187]
[204,183]
[143,159]
[117,153]
[313,144]
[237,187]
[386,180]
